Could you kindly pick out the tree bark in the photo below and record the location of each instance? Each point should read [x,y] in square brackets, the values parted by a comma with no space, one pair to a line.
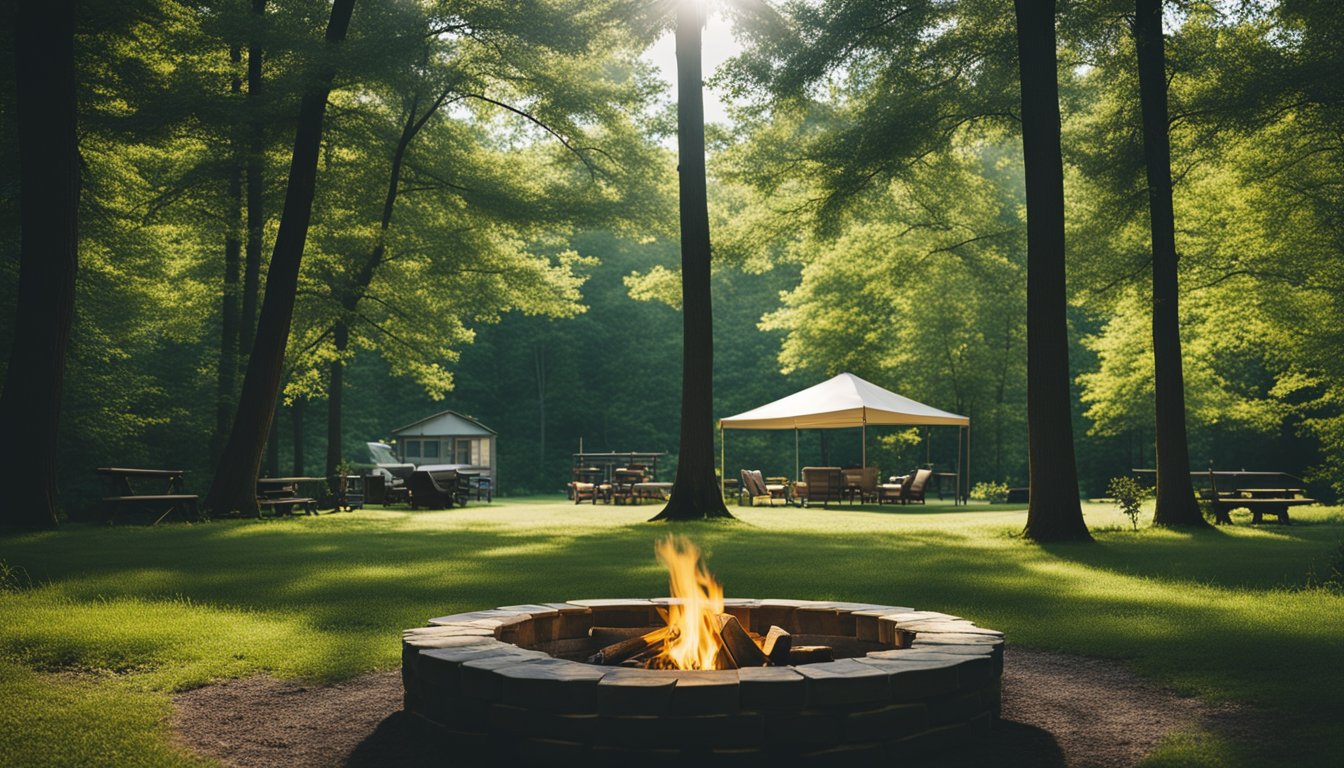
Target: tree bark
[1176,505]
[48,177]
[234,487]
[296,413]
[695,491]
[273,445]
[256,163]
[229,327]
[335,393]
[1054,513]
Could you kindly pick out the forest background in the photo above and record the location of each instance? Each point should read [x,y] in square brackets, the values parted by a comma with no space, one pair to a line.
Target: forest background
[510,161]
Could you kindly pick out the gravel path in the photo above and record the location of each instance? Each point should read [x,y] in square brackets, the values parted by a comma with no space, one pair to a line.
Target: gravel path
[1058,710]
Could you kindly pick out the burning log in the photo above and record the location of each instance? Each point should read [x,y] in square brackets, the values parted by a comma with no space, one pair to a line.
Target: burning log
[612,635]
[811,654]
[776,645]
[618,652]
[738,645]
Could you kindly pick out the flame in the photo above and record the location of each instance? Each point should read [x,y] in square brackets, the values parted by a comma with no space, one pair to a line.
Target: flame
[693,615]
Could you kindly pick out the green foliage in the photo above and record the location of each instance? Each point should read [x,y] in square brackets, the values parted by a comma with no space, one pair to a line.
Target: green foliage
[1129,496]
[992,492]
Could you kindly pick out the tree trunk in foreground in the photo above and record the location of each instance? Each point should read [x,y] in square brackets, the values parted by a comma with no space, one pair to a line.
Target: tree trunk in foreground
[234,487]
[1055,513]
[695,492]
[48,176]
[1176,505]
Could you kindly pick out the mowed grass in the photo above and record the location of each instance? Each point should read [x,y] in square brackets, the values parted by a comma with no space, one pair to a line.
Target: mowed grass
[98,626]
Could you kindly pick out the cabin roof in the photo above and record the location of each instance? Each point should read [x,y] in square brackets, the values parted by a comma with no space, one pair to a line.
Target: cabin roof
[444,424]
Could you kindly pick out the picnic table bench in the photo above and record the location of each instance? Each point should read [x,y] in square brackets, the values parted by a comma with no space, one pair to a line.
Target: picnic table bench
[124,495]
[281,495]
[1259,501]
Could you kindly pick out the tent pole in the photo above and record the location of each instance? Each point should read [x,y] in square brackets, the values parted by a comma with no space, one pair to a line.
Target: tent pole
[796,455]
[723,451]
[968,462]
[863,435]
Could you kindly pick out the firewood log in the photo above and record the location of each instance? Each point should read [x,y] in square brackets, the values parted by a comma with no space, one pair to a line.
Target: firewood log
[776,645]
[738,644]
[811,654]
[610,635]
[618,652]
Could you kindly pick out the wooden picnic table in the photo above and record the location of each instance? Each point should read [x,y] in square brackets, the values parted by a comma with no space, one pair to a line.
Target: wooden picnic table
[1259,501]
[124,494]
[281,494]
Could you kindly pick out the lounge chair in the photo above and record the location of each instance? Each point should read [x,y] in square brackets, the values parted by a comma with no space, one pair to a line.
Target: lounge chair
[914,490]
[822,485]
[755,487]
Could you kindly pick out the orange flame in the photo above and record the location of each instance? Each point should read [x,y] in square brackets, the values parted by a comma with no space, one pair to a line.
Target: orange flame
[693,615]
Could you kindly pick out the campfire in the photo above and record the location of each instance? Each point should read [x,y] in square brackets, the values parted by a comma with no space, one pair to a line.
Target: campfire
[700,633]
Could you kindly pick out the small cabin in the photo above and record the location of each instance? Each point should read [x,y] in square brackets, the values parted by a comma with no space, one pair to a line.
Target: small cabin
[451,439]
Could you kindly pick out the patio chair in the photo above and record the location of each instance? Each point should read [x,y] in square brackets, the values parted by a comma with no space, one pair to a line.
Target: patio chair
[861,482]
[914,489]
[822,485]
[755,487]
[623,481]
[437,489]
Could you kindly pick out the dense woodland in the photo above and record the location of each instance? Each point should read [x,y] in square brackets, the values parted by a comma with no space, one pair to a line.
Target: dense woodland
[494,229]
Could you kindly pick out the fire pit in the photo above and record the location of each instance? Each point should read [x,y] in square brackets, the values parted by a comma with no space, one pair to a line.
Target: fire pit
[530,683]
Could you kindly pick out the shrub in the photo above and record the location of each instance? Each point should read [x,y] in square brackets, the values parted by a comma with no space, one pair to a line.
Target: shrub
[1129,496]
[994,493]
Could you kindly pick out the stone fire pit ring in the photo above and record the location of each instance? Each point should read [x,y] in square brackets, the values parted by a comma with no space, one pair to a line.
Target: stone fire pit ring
[509,685]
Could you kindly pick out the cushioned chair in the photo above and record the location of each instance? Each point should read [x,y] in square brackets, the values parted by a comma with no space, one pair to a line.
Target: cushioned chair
[861,482]
[822,485]
[913,489]
[755,487]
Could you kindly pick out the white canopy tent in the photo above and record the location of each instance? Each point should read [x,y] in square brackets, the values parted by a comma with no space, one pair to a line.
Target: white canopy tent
[845,401]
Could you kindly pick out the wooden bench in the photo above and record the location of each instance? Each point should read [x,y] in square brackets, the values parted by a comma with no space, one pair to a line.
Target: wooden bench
[168,502]
[124,495]
[285,505]
[1258,501]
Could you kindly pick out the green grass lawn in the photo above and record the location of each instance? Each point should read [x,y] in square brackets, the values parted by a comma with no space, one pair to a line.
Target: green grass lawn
[98,626]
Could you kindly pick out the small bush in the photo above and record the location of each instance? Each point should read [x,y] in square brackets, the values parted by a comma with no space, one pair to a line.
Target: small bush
[994,493]
[1129,496]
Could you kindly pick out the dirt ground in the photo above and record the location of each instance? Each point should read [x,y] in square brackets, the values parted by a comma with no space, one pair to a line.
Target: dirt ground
[1058,710]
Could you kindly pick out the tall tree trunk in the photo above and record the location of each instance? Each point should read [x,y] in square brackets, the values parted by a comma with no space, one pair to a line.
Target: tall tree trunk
[296,413]
[1176,505]
[48,175]
[1054,513]
[695,491]
[228,337]
[234,487]
[335,393]
[256,164]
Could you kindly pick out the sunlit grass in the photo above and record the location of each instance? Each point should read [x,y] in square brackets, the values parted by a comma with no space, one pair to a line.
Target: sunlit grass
[132,614]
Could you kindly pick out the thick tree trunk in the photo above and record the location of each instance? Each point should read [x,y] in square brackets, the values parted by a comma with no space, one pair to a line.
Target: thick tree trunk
[296,413]
[1176,505]
[695,491]
[48,177]
[256,163]
[228,337]
[1055,513]
[335,392]
[234,487]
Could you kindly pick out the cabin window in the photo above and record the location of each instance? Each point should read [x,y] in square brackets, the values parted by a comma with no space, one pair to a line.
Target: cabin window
[412,449]
[431,450]
[464,451]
